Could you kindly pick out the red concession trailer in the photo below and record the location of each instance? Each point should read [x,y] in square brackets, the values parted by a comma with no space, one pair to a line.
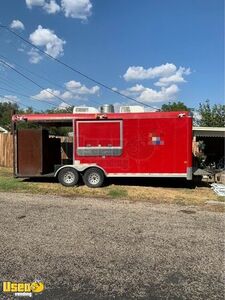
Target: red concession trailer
[146,144]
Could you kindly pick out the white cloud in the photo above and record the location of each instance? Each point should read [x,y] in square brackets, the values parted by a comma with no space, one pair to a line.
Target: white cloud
[9,98]
[75,91]
[47,94]
[79,9]
[177,77]
[165,94]
[67,95]
[115,89]
[44,37]
[31,3]
[17,24]
[34,56]
[63,105]
[50,95]
[51,7]
[77,88]
[168,76]
[148,95]
[136,89]
[139,73]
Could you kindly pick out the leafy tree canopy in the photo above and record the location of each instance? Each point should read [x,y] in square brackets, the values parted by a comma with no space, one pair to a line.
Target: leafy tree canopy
[60,131]
[211,115]
[175,106]
[6,110]
[65,110]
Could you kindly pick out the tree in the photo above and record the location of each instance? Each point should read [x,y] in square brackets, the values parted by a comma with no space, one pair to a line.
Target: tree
[60,131]
[6,111]
[212,116]
[175,106]
[9,108]
[59,110]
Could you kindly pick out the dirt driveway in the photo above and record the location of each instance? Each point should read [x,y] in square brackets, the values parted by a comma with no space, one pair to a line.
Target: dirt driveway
[111,249]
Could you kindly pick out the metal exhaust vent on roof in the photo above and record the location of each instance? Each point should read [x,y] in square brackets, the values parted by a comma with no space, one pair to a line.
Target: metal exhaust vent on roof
[107,108]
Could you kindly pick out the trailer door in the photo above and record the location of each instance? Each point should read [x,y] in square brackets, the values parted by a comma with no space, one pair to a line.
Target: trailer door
[99,138]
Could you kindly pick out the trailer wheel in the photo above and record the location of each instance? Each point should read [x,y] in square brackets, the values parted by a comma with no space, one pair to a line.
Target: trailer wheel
[68,177]
[93,177]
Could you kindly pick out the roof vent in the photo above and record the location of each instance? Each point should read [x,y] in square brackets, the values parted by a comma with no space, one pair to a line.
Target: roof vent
[106,108]
[131,108]
[84,110]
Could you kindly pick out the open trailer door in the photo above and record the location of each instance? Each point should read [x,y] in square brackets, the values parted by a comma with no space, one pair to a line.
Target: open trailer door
[36,153]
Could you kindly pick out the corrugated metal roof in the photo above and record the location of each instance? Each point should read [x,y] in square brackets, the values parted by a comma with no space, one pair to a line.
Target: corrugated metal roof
[209,131]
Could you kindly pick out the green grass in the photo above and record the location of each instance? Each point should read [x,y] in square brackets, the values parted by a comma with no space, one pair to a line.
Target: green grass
[181,196]
[117,192]
[9,184]
[221,198]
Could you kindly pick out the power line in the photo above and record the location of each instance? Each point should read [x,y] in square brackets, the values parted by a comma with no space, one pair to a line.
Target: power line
[75,70]
[33,73]
[31,80]
[43,78]
[27,96]
[15,101]
[12,84]
[6,82]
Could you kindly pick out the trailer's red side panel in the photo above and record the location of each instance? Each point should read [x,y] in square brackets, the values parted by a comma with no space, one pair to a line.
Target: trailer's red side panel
[148,145]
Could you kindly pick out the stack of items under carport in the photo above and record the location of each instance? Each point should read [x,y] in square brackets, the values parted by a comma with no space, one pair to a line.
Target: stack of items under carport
[219,189]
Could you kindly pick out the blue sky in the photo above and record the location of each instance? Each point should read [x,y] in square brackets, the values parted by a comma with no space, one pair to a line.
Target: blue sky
[153,51]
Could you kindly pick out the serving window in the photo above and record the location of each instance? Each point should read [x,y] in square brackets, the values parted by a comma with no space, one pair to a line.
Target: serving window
[99,138]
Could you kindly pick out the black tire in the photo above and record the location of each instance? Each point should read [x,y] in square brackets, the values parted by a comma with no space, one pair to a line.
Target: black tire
[68,177]
[93,177]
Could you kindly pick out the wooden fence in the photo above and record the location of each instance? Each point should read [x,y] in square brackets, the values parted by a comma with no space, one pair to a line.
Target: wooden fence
[6,150]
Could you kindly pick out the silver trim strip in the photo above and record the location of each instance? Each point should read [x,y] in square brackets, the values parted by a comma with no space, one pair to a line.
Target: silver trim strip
[100,151]
[97,148]
[147,175]
[82,167]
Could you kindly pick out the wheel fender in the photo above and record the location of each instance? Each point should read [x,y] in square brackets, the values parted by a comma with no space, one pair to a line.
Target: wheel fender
[63,167]
[79,168]
[95,166]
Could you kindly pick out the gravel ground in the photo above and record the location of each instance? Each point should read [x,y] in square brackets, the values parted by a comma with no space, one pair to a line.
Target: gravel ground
[111,249]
